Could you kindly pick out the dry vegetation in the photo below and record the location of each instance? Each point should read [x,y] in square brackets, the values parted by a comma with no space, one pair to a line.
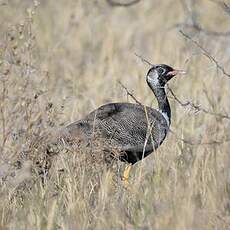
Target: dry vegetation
[61,59]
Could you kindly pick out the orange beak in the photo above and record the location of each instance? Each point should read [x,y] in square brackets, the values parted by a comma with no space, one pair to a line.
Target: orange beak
[175,72]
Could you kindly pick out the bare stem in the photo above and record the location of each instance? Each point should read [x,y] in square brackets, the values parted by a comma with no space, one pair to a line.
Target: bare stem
[206,53]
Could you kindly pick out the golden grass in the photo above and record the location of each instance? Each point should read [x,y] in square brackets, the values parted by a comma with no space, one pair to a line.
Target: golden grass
[62,59]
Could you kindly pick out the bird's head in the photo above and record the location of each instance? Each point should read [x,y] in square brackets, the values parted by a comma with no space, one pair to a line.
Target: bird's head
[160,74]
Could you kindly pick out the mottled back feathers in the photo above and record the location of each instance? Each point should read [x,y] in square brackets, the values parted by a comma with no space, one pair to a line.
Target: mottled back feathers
[134,129]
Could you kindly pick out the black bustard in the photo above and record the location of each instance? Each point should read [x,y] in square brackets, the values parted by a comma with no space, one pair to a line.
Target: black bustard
[134,129]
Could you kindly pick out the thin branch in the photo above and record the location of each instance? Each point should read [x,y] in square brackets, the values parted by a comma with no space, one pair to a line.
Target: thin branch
[223,5]
[128,93]
[194,24]
[199,28]
[2,111]
[120,4]
[197,108]
[206,53]
[226,7]
[143,59]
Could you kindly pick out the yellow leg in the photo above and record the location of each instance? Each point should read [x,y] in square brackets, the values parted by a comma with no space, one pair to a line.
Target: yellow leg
[126,174]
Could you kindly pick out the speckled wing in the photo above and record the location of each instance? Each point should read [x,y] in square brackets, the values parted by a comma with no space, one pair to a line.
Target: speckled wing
[131,127]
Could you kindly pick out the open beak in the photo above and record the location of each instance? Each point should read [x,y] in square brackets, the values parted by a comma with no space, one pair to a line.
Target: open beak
[175,72]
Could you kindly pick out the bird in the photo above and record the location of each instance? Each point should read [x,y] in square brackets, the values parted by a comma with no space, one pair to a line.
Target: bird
[134,129]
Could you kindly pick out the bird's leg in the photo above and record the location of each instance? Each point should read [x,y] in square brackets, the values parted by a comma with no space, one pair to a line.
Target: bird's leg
[126,174]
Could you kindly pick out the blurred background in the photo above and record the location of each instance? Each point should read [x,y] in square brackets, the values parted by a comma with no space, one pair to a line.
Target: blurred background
[60,60]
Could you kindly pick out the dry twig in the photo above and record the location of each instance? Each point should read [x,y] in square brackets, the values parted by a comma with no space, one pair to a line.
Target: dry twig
[194,24]
[196,107]
[223,5]
[128,93]
[206,53]
[143,59]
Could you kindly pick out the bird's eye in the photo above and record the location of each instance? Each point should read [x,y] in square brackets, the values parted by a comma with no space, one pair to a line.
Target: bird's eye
[161,70]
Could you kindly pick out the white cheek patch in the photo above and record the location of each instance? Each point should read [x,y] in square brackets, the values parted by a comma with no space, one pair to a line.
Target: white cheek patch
[153,78]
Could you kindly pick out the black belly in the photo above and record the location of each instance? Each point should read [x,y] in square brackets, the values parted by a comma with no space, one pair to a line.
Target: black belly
[133,157]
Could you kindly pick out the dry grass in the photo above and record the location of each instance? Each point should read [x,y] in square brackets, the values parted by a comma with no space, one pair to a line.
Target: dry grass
[62,59]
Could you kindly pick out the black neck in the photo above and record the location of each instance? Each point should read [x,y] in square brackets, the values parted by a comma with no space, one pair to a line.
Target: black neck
[163,103]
